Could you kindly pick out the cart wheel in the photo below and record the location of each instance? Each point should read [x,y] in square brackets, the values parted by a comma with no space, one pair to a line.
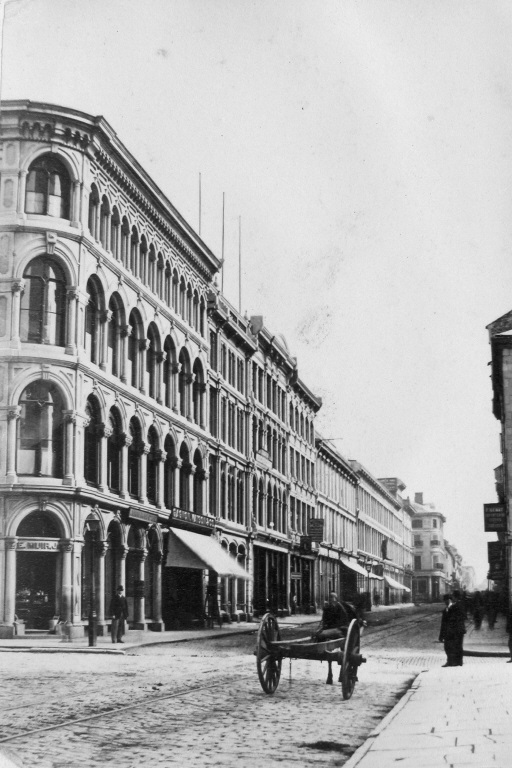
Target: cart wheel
[267,662]
[350,664]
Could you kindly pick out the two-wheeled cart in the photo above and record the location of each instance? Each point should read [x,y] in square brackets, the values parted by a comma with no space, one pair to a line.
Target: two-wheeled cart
[271,650]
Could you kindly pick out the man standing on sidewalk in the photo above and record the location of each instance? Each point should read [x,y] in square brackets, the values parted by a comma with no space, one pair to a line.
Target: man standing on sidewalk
[119,613]
[452,630]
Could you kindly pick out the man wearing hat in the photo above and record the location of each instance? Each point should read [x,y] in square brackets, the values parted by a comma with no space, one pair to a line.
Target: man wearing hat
[119,613]
[452,630]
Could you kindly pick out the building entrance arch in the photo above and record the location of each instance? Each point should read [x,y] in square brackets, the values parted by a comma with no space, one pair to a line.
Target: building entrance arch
[40,555]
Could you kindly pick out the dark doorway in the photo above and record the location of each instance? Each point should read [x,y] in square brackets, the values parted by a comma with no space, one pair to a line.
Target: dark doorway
[36,595]
[182,598]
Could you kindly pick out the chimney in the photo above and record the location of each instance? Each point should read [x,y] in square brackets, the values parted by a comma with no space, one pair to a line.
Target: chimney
[418,498]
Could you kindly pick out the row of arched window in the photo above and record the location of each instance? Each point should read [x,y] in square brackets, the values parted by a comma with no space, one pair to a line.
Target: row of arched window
[140,357]
[154,270]
[301,424]
[148,462]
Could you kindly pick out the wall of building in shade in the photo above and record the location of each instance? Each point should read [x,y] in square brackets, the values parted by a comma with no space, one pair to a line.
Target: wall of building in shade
[135,399]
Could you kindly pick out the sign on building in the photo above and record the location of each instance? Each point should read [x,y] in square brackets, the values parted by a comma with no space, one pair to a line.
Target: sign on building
[316,529]
[495,518]
[496,554]
[305,545]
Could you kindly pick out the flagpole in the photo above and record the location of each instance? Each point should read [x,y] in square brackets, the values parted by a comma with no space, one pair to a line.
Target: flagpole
[222,251]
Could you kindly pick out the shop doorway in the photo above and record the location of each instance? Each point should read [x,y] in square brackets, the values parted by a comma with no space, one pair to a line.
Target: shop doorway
[182,598]
[36,588]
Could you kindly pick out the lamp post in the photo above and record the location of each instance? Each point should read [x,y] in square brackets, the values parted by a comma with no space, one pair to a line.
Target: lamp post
[93,616]
[368,566]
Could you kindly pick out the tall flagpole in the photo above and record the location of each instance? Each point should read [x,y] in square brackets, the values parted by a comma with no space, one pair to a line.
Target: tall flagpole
[222,252]
[240,264]
[199,205]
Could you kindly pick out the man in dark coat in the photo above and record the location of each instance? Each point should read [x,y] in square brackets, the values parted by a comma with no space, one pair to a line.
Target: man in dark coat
[452,631]
[119,613]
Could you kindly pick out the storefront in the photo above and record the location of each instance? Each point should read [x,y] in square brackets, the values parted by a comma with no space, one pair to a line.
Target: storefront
[195,565]
[271,583]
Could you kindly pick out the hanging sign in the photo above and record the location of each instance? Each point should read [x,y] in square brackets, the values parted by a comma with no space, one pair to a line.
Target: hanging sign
[316,529]
[495,518]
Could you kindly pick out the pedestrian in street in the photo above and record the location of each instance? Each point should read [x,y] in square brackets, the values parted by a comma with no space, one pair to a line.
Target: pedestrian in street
[478,610]
[452,630]
[119,613]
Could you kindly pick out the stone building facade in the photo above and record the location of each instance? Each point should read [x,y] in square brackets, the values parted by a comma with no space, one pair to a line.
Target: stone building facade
[431,578]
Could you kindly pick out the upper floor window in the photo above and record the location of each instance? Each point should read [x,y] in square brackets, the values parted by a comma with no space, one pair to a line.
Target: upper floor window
[434,523]
[41,431]
[48,188]
[43,304]
[417,523]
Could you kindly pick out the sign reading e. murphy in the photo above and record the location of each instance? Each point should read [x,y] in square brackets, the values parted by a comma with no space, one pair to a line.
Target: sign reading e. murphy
[495,518]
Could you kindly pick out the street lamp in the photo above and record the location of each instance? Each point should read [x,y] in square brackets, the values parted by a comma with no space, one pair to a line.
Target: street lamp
[92,630]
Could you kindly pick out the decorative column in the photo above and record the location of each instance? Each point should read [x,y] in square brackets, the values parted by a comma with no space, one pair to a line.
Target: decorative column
[105,432]
[66,548]
[106,319]
[10,580]
[177,480]
[126,441]
[206,491]
[201,393]
[82,422]
[124,332]
[13,414]
[101,551]
[17,288]
[157,591]
[72,295]
[75,205]
[139,608]
[161,457]
[144,345]
[143,472]
[22,182]
[190,471]
[174,369]
[70,418]
[122,552]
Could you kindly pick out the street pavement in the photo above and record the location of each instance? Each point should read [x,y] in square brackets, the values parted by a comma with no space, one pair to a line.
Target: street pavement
[453,717]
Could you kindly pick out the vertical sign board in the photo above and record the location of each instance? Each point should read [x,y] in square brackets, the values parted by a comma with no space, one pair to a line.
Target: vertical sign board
[316,529]
[496,557]
[495,518]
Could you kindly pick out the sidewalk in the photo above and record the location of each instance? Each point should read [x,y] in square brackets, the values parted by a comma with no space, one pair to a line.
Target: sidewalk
[55,644]
[457,716]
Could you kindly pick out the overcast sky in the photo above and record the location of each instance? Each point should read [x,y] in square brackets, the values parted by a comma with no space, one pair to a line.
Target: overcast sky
[367,147]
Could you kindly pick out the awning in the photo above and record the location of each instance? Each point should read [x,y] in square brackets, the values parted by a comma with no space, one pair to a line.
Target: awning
[395,584]
[191,550]
[377,578]
[354,566]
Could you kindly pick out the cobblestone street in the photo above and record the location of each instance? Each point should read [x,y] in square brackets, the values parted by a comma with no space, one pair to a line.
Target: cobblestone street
[197,704]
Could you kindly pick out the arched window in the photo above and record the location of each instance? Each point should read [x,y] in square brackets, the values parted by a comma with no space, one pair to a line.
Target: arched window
[169,372]
[105,223]
[114,446]
[202,313]
[152,357]
[92,442]
[41,431]
[195,311]
[48,188]
[43,304]
[134,452]
[114,336]
[115,234]
[152,466]
[270,522]
[134,339]
[184,382]
[94,208]
[134,252]
[183,294]
[125,242]
[152,269]
[143,260]
[198,483]
[198,390]
[175,284]
[41,525]
[240,505]
[169,468]
[92,322]
[184,477]
[160,278]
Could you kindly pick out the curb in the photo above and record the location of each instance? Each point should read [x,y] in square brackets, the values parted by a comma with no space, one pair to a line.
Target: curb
[63,650]
[365,747]
[488,654]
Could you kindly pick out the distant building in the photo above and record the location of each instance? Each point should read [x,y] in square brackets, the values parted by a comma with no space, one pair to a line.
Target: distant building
[430,580]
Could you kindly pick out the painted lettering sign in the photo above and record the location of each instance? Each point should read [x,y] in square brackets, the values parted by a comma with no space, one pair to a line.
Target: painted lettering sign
[185,516]
[316,529]
[495,518]
[48,545]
